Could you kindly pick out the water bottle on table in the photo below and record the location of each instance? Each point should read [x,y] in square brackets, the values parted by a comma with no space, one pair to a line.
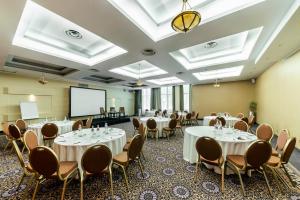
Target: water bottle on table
[106,128]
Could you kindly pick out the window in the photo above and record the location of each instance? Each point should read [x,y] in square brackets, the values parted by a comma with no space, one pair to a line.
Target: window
[186,97]
[146,96]
[167,98]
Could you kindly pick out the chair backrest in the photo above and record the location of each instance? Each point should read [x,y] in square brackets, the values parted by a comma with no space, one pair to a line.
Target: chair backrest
[102,111]
[288,150]
[122,110]
[14,131]
[258,153]
[212,122]
[193,114]
[164,112]
[5,129]
[176,114]
[208,148]
[172,123]
[240,115]
[88,123]
[49,130]
[197,115]
[142,130]
[222,120]
[251,120]
[245,119]
[213,114]
[136,123]
[21,124]
[241,125]
[112,109]
[30,140]
[188,116]
[96,158]
[264,132]
[135,147]
[282,139]
[173,116]
[76,125]
[156,113]
[151,123]
[44,161]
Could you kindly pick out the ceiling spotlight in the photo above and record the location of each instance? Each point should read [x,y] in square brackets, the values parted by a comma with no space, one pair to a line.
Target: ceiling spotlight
[186,20]
[148,52]
[73,34]
[210,45]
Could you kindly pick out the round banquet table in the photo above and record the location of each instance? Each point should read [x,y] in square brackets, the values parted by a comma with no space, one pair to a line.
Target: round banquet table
[63,127]
[71,146]
[230,121]
[231,141]
[160,121]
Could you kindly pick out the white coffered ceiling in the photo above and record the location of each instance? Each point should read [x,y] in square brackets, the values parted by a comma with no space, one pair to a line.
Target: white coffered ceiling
[112,33]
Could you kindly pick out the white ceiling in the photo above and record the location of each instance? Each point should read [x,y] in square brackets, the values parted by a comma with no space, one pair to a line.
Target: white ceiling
[104,19]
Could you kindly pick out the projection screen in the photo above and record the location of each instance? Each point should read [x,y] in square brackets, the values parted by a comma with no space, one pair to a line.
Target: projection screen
[86,101]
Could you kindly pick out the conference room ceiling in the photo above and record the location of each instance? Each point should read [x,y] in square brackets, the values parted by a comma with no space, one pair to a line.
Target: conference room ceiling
[106,39]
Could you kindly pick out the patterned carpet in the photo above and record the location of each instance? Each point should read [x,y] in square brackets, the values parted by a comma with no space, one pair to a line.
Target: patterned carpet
[167,176]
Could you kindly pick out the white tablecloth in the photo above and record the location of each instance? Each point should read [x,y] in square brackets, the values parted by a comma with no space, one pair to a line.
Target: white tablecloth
[229,120]
[63,127]
[72,145]
[160,121]
[228,139]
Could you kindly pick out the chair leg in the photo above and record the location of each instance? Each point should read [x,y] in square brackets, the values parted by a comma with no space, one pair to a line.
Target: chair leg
[125,176]
[21,180]
[267,181]
[222,178]
[141,167]
[111,184]
[143,155]
[288,175]
[64,189]
[197,173]
[276,178]
[241,181]
[36,189]
[23,148]
[81,189]
[8,142]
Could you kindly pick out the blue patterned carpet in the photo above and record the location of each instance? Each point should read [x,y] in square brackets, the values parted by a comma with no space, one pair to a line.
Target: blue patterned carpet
[167,176]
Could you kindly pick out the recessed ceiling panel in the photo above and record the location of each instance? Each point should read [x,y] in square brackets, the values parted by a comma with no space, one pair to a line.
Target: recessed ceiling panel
[166,81]
[41,30]
[233,48]
[141,69]
[154,16]
[219,73]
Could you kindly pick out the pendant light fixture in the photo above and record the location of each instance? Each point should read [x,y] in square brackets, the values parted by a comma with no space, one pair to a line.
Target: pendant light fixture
[139,81]
[186,20]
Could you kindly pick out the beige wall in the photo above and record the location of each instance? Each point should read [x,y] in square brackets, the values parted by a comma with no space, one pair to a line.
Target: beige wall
[278,96]
[232,97]
[52,98]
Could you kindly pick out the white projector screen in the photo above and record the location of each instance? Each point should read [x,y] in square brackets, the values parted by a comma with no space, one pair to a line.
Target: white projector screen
[29,110]
[86,101]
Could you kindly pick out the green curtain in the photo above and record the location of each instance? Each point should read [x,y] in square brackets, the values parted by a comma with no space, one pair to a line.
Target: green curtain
[155,99]
[173,98]
[137,101]
[181,99]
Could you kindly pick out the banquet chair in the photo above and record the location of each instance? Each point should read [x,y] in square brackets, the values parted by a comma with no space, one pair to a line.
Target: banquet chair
[30,140]
[173,116]
[245,119]
[142,132]
[165,113]
[96,160]
[257,154]
[171,128]
[241,125]
[213,114]
[27,169]
[178,125]
[264,132]
[88,123]
[44,162]
[187,120]
[22,125]
[222,120]
[277,162]
[49,132]
[7,135]
[156,113]
[136,125]
[209,152]
[102,112]
[213,122]
[152,128]
[195,119]
[240,115]
[122,111]
[133,154]
[76,125]
[15,132]
[281,141]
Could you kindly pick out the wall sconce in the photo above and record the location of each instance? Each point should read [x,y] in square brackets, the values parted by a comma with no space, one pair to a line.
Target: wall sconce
[32,98]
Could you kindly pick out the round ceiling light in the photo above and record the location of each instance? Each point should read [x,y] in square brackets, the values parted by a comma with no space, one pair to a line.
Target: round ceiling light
[148,52]
[73,34]
[210,45]
[186,20]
